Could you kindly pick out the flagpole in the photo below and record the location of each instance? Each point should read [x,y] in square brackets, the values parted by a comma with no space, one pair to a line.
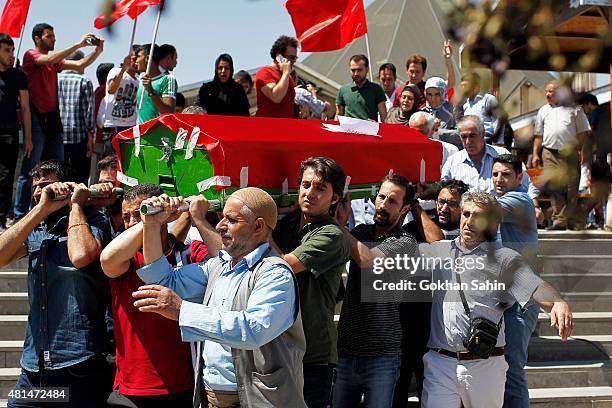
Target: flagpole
[133,32]
[369,56]
[150,62]
[21,36]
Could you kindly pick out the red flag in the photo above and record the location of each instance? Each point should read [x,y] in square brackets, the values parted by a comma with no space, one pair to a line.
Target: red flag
[327,25]
[132,8]
[14,17]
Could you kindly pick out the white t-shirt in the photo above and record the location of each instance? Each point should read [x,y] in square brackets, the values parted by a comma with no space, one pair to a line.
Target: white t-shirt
[559,125]
[121,107]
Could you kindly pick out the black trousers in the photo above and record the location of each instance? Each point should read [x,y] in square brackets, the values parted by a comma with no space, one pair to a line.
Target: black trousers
[76,155]
[9,149]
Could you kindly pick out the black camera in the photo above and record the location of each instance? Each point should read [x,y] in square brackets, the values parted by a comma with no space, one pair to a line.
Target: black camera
[93,40]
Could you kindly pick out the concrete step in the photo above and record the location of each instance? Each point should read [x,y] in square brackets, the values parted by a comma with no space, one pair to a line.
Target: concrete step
[13,281]
[589,301]
[585,323]
[12,327]
[575,397]
[578,280]
[12,303]
[10,353]
[593,247]
[567,374]
[580,348]
[586,265]
[17,266]
[8,378]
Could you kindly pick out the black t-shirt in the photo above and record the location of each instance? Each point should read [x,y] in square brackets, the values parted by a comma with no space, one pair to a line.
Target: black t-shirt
[369,323]
[11,82]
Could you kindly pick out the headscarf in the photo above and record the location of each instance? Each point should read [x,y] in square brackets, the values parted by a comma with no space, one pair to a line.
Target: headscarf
[396,115]
[227,58]
[437,82]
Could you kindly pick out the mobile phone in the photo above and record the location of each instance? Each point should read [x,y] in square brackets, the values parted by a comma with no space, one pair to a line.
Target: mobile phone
[93,40]
[279,58]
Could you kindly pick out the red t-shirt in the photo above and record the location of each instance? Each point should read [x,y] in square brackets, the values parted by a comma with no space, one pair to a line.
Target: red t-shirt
[42,81]
[267,108]
[151,357]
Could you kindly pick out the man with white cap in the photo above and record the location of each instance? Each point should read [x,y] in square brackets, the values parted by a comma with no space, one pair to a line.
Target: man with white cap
[241,307]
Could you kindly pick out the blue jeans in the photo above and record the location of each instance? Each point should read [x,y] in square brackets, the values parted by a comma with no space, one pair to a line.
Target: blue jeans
[318,380]
[520,324]
[46,147]
[374,377]
[89,383]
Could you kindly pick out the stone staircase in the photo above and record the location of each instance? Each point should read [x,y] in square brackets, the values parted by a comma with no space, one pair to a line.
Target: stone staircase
[576,373]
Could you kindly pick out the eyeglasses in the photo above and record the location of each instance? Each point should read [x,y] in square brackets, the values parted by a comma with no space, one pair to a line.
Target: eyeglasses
[451,203]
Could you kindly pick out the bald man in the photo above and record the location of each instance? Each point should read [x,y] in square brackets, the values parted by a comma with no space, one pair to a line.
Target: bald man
[241,306]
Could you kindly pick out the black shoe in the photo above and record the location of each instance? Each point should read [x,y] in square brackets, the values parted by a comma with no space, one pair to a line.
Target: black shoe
[556,227]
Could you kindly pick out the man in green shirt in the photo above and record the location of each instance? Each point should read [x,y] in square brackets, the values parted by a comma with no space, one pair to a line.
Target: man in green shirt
[317,250]
[363,99]
[157,90]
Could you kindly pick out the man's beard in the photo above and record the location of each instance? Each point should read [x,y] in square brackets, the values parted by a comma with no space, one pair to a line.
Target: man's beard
[381,218]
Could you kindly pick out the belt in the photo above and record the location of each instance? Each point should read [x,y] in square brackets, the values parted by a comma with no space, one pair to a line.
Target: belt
[551,150]
[498,351]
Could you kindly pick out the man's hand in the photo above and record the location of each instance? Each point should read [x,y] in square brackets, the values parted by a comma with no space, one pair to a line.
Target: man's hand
[145,79]
[198,207]
[158,299]
[447,49]
[59,189]
[105,195]
[170,206]
[127,61]
[90,145]
[28,146]
[85,40]
[343,210]
[561,316]
[285,66]
[536,161]
[539,214]
[80,194]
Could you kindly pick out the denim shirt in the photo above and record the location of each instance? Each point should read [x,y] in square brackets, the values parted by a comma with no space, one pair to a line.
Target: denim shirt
[66,323]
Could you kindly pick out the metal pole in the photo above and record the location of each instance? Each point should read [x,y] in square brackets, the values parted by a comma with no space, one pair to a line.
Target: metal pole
[21,36]
[369,56]
[133,32]
[150,62]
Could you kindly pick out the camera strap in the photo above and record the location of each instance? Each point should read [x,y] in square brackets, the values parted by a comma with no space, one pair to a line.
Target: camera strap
[463,299]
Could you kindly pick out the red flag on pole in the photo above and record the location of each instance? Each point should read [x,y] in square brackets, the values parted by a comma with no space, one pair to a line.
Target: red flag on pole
[14,16]
[123,7]
[327,25]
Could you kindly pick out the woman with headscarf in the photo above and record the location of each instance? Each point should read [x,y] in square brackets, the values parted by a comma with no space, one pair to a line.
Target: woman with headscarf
[438,104]
[408,104]
[222,95]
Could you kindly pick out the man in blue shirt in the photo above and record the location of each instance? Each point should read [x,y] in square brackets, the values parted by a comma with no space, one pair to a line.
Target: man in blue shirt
[66,333]
[518,231]
[243,305]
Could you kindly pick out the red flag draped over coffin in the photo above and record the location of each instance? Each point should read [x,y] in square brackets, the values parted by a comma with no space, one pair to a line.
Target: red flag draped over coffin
[14,16]
[273,149]
[132,8]
[327,25]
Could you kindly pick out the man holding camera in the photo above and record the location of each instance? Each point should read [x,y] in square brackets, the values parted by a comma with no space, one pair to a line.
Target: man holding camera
[477,281]
[66,335]
[41,68]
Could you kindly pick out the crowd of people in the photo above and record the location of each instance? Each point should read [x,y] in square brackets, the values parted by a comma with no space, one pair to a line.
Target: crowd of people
[189,307]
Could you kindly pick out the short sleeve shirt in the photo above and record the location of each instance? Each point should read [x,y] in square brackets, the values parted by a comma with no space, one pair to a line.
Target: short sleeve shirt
[42,81]
[121,108]
[361,103]
[267,108]
[559,126]
[323,249]
[164,86]
[11,82]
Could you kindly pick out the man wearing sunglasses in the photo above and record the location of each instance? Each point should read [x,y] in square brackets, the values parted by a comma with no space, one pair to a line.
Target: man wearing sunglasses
[275,83]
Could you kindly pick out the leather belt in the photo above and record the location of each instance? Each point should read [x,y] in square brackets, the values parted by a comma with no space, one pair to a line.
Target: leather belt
[498,351]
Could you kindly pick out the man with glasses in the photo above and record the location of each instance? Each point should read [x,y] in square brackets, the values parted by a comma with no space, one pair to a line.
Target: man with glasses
[275,83]
[447,207]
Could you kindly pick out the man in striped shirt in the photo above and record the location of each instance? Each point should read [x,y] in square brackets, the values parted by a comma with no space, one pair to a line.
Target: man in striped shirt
[76,103]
